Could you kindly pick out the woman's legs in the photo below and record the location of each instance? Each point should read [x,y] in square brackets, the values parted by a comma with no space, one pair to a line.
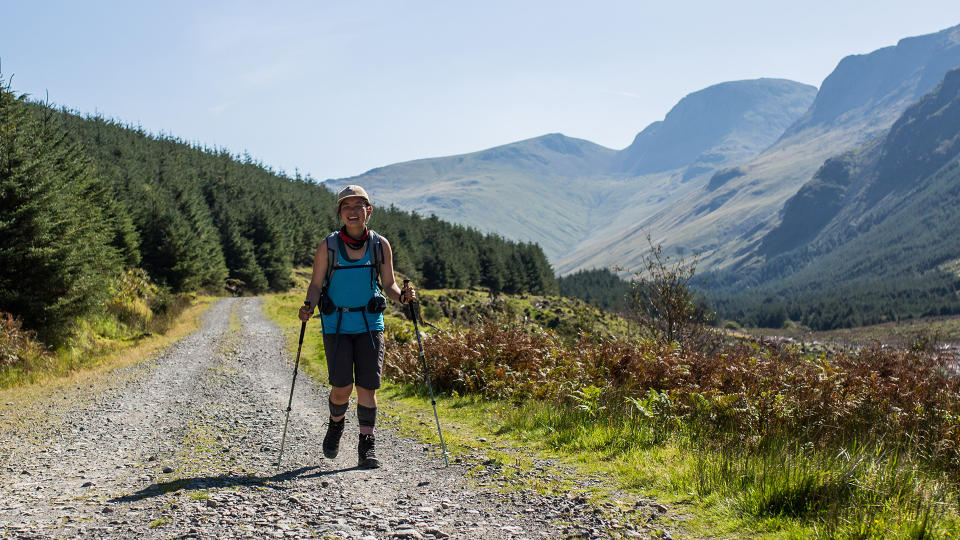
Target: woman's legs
[366,409]
[339,399]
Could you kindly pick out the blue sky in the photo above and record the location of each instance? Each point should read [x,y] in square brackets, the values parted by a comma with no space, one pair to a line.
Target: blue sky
[334,88]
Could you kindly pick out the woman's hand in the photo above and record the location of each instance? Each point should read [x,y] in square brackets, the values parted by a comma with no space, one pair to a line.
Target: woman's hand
[306,311]
[407,293]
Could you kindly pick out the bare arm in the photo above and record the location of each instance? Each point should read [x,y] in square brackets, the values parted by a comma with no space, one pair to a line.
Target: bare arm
[389,281]
[316,282]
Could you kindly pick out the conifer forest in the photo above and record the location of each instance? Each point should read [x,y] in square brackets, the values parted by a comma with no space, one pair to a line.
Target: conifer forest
[85,199]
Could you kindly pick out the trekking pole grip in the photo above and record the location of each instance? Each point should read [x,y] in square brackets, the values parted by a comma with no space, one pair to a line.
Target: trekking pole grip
[413,304]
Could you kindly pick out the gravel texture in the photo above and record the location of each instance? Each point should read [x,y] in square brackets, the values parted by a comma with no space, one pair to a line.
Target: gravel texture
[185,446]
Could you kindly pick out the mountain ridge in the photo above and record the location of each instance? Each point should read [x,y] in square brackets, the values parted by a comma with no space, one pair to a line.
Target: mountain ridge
[557,190]
[727,222]
[671,143]
[872,237]
[913,67]
[866,186]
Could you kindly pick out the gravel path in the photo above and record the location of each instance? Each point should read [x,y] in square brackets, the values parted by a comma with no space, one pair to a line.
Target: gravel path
[185,446]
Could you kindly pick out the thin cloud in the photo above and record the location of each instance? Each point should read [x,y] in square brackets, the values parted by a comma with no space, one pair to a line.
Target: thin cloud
[220,108]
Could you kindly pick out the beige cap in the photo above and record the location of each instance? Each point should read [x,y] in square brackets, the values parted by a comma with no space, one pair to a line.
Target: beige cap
[352,191]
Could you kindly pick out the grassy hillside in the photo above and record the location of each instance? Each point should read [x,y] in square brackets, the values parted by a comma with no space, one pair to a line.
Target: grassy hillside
[718,219]
[901,268]
[533,190]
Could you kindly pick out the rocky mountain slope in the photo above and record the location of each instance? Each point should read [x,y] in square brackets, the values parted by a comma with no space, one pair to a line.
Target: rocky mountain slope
[883,210]
[727,218]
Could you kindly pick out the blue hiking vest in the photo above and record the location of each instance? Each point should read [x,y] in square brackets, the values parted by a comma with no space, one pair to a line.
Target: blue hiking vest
[350,286]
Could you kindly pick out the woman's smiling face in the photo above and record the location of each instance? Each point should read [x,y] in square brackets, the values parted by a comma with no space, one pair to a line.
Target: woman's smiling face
[355,211]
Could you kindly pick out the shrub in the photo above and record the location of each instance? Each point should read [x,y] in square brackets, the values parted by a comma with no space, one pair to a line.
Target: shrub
[166,307]
[19,350]
[758,392]
[132,294]
[663,304]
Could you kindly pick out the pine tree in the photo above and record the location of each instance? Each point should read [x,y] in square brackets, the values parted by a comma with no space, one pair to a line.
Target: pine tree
[272,250]
[493,268]
[57,253]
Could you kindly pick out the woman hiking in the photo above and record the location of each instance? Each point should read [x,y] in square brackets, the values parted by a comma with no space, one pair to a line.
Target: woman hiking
[352,271]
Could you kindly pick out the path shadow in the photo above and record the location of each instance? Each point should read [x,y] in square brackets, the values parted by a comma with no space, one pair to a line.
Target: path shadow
[320,474]
[222,481]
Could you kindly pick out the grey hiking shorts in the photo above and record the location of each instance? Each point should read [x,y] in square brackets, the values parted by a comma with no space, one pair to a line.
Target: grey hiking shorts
[359,359]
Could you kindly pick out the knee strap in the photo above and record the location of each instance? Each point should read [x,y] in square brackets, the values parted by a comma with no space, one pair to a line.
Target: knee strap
[366,416]
[337,410]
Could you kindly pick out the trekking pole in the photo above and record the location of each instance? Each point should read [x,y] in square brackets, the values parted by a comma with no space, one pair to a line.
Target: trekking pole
[415,312]
[303,328]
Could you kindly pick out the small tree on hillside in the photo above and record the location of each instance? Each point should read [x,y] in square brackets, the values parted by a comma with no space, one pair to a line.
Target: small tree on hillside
[664,306]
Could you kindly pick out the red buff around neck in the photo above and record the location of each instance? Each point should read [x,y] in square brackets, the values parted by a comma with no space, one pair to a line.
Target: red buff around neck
[355,243]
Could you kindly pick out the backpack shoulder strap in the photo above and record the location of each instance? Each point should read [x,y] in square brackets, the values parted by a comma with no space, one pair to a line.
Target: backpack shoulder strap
[331,242]
[376,249]
[376,254]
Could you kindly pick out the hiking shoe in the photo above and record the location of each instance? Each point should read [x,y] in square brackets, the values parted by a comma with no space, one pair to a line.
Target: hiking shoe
[368,457]
[331,441]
